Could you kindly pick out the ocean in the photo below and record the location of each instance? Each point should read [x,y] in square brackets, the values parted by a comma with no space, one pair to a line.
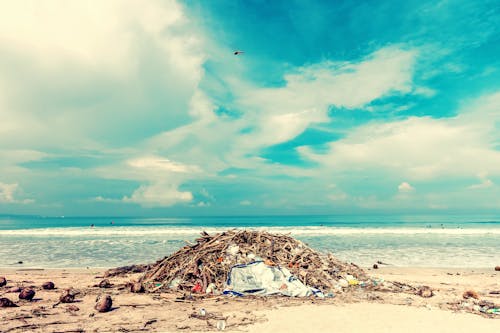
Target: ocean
[417,241]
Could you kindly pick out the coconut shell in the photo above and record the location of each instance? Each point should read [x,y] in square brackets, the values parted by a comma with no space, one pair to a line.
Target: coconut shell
[497,268]
[375,266]
[105,284]
[3,281]
[27,294]
[103,303]
[48,285]
[68,296]
[470,294]
[7,303]
[136,287]
[425,291]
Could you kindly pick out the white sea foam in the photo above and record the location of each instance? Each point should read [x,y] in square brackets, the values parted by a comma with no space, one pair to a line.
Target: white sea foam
[166,231]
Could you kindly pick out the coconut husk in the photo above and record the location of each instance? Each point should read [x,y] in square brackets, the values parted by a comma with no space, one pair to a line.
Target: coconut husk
[68,296]
[103,303]
[27,294]
[7,303]
[48,285]
[104,284]
[212,256]
[136,287]
[470,294]
[425,291]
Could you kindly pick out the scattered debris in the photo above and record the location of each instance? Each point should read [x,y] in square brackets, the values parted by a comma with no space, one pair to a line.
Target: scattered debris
[3,281]
[425,291]
[149,322]
[207,315]
[375,266]
[104,284]
[136,287]
[124,270]
[7,303]
[68,296]
[257,278]
[221,325]
[72,308]
[48,285]
[482,307]
[470,294]
[27,294]
[103,303]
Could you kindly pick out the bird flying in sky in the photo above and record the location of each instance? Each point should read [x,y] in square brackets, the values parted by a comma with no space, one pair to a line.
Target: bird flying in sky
[238,52]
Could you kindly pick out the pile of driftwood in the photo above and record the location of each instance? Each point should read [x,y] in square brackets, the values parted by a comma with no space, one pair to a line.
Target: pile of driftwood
[204,266]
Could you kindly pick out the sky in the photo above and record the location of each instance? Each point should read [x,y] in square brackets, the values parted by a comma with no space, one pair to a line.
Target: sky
[118,108]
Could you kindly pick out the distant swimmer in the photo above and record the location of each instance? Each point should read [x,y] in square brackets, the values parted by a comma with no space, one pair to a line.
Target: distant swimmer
[112,222]
[92,225]
[238,52]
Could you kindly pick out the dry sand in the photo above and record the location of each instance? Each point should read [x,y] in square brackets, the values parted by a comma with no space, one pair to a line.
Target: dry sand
[354,312]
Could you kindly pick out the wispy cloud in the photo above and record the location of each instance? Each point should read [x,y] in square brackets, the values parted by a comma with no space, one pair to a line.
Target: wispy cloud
[405,187]
[8,194]
[422,147]
[158,194]
[485,182]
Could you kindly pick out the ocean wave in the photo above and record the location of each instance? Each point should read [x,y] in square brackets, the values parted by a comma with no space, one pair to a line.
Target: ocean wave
[295,230]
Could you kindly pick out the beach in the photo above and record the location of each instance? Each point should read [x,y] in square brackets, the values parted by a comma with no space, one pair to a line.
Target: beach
[355,311]
[418,257]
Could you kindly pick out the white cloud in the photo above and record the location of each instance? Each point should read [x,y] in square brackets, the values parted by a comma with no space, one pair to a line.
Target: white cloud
[75,71]
[422,147]
[338,196]
[7,194]
[162,178]
[425,91]
[405,187]
[485,183]
[158,194]
[159,164]
[280,114]
[100,198]
[93,35]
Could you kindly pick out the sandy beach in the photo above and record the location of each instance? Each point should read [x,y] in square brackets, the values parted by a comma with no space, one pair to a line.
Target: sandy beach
[355,311]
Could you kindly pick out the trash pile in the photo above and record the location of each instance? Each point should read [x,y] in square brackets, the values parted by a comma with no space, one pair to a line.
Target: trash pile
[211,266]
[483,307]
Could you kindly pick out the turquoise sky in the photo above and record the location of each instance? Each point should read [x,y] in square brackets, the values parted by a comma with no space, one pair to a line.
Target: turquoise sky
[335,107]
